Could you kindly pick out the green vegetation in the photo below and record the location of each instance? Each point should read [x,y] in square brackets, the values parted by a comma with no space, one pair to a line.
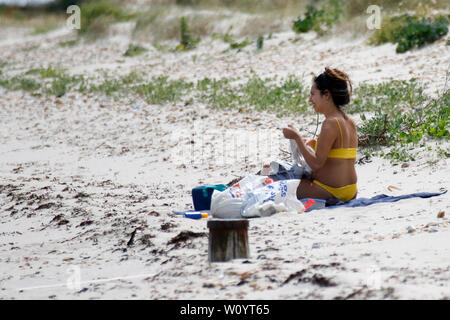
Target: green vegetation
[187,41]
[134,50]
[386,96]
[45,73]
[62,5]
[50,81]
[396,115]
[256,94]
[68,43]
[260,43]
[403,130]
[62,84]
[161,90]
[97,15]
[321,19]
[45,27]
[239,45]
[20,83]
[409,31]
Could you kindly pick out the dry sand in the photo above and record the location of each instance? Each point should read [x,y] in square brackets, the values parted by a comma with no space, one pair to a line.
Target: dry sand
[79,174]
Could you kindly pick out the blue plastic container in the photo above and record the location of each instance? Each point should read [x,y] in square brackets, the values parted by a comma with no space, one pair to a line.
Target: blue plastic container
[201,195]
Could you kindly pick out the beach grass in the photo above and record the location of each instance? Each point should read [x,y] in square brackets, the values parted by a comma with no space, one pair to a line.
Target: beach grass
[387,96]
[395,114]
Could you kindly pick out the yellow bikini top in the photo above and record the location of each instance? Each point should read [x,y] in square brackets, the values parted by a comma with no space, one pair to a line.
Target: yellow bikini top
[340,153]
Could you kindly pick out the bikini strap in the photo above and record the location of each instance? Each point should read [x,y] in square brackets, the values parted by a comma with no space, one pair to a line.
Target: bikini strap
[340,130]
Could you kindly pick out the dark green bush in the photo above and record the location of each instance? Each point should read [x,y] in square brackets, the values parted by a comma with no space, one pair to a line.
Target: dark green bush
[409,31]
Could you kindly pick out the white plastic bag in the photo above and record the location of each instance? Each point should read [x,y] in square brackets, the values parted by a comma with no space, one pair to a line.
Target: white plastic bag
[276,197]
[225,205]
[297,156]
[228,203]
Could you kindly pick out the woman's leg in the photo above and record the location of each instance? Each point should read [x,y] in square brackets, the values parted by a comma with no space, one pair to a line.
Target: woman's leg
[308,189]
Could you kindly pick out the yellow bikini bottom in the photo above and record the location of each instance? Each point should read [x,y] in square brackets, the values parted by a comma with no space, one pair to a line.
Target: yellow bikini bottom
[345,193]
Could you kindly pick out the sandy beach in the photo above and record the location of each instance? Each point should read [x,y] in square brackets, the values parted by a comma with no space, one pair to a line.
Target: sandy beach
[81,173]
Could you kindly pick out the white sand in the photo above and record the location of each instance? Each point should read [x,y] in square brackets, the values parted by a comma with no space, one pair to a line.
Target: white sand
[105,168]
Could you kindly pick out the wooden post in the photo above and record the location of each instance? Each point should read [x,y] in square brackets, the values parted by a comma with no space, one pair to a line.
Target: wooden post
[228,239]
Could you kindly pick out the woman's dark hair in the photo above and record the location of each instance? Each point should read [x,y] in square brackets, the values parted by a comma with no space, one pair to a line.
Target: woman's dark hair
[337,83]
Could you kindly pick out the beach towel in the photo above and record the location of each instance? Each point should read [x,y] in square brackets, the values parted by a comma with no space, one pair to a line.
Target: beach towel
[362,202]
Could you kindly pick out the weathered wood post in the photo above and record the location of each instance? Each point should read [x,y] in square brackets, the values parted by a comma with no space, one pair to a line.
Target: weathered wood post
[228,239]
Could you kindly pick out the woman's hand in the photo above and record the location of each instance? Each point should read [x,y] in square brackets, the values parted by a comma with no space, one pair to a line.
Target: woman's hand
[291,133]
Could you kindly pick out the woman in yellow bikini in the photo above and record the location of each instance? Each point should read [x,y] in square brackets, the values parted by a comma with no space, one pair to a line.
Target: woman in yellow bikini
[333,158]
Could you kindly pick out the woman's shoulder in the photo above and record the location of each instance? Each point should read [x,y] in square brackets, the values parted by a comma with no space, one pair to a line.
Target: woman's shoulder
[344,120]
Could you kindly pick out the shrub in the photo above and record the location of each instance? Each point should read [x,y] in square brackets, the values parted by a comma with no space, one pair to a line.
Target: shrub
[409,31]
[321,19]
[402,129]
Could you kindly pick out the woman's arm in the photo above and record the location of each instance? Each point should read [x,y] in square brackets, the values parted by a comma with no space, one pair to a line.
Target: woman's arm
[327,136]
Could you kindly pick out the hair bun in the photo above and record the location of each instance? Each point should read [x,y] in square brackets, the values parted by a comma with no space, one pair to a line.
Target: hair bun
[337,83]
[337,74]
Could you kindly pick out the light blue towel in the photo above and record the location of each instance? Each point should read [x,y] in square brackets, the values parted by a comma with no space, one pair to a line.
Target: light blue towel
[362,202]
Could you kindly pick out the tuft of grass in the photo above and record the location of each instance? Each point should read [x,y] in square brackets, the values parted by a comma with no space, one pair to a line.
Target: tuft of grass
[239,45]
[134,50]
[44,73]
[51,81]
[161,90]
[63,83]
[187,41]
[20,83]
[260,43]
[68,43]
